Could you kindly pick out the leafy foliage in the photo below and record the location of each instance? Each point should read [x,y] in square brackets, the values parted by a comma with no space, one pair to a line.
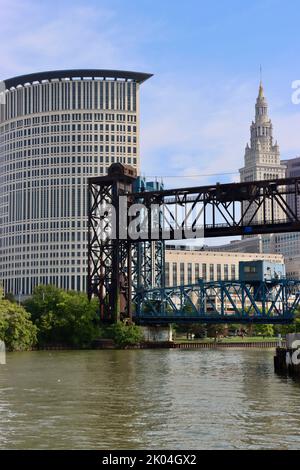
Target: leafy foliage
[10,296]
[292,328]
[63,317]
[16,327]
[125,335]
[216,330]
[263,330]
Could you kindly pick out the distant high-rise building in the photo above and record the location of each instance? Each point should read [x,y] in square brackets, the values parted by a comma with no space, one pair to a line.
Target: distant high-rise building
[58,128]
[293,169]
[262,162]
[262,157]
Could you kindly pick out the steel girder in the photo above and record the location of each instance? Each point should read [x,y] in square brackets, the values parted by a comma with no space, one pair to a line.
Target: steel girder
[117,267]
[223,209]
[148,265]
[109,257]
[220,302]
[120,269]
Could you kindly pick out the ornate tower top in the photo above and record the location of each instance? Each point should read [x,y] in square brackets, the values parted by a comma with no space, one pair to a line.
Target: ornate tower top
[261,91]
[262,157]
[261,107]
[261,128]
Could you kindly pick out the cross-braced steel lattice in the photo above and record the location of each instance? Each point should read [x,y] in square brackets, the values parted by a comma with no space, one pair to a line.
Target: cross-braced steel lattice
[233,301]
[223,209]
[123,269]
[109,257]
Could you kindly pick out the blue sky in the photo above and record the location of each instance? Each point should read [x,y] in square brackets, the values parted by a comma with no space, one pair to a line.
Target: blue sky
[205,57]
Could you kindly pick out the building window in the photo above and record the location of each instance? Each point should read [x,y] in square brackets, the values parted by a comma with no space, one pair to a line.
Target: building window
[174,274]
[219,274]
[167,274]
[226,272]
[197,272]
[211,272]
[249,269]
[233,271]
[204,272]
[182,273]
[190,273]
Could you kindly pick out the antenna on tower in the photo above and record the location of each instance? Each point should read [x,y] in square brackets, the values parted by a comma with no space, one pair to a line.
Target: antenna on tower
[260,73]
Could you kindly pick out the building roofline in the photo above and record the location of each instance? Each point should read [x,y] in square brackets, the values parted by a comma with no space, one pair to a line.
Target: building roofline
[72,74]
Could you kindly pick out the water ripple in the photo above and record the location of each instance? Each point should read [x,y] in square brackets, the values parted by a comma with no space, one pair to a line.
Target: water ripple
[203,399]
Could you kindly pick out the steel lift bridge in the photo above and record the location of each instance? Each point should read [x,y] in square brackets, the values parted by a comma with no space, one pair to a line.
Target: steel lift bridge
[127,229]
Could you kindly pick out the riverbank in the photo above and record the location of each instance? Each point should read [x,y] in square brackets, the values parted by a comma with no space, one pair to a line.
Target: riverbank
[229,339]
[231,344]
[206,343]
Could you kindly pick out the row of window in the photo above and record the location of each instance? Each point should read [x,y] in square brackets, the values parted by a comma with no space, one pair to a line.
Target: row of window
[68,138]
[55,161]
[61,129]
[69,95]
[190,272]
[20,175]
[75,149]
[25,285]
[262,131]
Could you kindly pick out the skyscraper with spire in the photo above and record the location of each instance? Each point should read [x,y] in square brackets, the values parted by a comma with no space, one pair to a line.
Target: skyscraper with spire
[262,156]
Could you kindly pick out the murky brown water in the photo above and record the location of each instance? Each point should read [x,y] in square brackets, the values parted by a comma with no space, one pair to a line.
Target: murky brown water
[147,399]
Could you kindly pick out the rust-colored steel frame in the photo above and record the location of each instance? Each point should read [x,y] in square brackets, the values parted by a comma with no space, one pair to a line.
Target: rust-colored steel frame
[225,209]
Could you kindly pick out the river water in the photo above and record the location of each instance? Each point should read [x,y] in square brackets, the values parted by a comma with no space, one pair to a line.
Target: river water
[147,399]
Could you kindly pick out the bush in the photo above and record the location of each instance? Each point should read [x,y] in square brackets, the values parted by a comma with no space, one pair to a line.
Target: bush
[263,330]
[293,327]
[64,317]
[16,327]
[125,335]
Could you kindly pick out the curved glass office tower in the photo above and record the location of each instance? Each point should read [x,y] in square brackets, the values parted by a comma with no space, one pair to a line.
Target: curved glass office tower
[56,129]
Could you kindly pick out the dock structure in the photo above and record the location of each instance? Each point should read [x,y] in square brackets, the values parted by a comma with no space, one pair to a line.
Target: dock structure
[287,359]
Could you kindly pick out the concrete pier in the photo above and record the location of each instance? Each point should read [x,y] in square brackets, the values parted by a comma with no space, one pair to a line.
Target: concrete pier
[2,353]
[287,360]
[158,334]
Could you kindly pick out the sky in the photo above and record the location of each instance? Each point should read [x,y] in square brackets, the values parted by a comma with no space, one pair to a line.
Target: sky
[205,56]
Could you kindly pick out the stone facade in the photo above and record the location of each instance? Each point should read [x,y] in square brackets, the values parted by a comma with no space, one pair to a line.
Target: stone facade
[262,157]
[187,266]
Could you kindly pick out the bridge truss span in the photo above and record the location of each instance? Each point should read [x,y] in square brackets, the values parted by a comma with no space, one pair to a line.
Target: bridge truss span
[222,209]
[219,302]
[126,235]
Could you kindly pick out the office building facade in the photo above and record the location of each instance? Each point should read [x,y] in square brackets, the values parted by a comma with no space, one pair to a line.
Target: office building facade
[57,129]
[187,266]
[283,244]
[293,170]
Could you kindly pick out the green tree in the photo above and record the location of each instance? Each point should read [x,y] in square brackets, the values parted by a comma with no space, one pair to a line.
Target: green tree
[263,330]
[125,335]
[78,318]
[16,327]
[216,330]
[65,317]
[44,299]
[293,327]
[197,329]
[10,296]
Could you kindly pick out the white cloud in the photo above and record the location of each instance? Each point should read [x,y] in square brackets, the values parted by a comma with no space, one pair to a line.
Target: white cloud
[197,130]
[68,35]
[287,132]
[190,125]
